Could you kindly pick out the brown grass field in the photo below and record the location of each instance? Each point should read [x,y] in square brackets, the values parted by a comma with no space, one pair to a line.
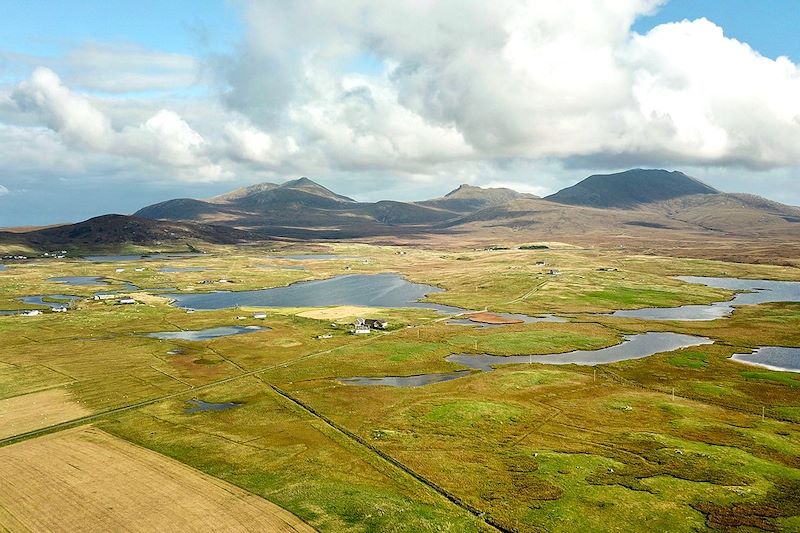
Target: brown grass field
[25,413]
[88,480]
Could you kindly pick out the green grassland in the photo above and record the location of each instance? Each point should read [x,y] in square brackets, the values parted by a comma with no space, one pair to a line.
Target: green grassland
[672,442]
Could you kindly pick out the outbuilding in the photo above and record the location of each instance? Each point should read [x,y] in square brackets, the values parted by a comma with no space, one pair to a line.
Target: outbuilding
[376,323]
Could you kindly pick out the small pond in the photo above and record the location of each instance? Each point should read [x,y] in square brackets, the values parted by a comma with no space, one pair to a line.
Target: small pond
[772,357]
[204,334]
[80,280]
[366,290]
[632,347]
[314,257]
[407,381]
[755,292]
[61,300]
[281,267]
[2,267]
[199,406]
[137,257]
[513,316]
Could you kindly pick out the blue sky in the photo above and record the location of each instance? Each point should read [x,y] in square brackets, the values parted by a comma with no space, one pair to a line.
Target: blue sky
[112,105]
[45,27]
[769,26]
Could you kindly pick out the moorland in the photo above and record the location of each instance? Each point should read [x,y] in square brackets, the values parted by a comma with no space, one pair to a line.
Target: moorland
[263,429]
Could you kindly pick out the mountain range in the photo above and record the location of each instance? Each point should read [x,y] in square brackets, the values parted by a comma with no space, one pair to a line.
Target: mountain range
[635,205]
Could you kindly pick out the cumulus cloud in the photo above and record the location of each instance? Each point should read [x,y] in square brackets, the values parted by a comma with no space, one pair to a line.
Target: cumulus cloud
[70,114]
[164,138]
[247,143]
[3,190]
[531,79]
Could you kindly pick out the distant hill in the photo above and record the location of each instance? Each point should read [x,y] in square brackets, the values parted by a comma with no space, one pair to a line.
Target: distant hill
[644,206]
[296,203]
[110,230]
[468,198]
[630,189]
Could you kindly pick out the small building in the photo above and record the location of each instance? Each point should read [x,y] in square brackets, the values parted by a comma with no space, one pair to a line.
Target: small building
[325,336]
[102,296]
[140,269]
[540,263]
[259,316]
[59,309]
[376,323]
[119,270]
[126,301]
[553,272]
[360,327]
[32,312]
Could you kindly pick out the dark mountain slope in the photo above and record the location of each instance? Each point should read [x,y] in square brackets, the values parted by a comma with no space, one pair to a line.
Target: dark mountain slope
[109,230]
[186,209]
[630,189]
[468,198]
[296,203]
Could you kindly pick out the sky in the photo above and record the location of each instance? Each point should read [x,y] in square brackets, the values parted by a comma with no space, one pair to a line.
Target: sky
[110,106]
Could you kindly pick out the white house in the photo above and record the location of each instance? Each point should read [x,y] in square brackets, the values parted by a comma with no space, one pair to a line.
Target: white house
[259,316]
[360,327]
[126,301]
[59,309]
[376,323]
[104,296]
[32,312]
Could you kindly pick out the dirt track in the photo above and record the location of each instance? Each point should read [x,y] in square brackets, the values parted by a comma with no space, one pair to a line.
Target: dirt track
[85,479]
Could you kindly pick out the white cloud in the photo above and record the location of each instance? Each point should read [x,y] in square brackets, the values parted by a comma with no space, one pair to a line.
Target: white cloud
[164,138]
[3,190]
[250,144]
[70,114]
[530,79]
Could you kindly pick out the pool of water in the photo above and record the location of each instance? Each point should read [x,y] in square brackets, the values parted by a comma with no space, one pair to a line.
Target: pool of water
[137,257]
[365,290]
[80,280]
[171,269]
[63,299]
[632,347]
[750,291]
[406,381]
[525,319]
[772,357]
[2,267]
[314,257]
[281,267]
[204,334]
[199,406]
